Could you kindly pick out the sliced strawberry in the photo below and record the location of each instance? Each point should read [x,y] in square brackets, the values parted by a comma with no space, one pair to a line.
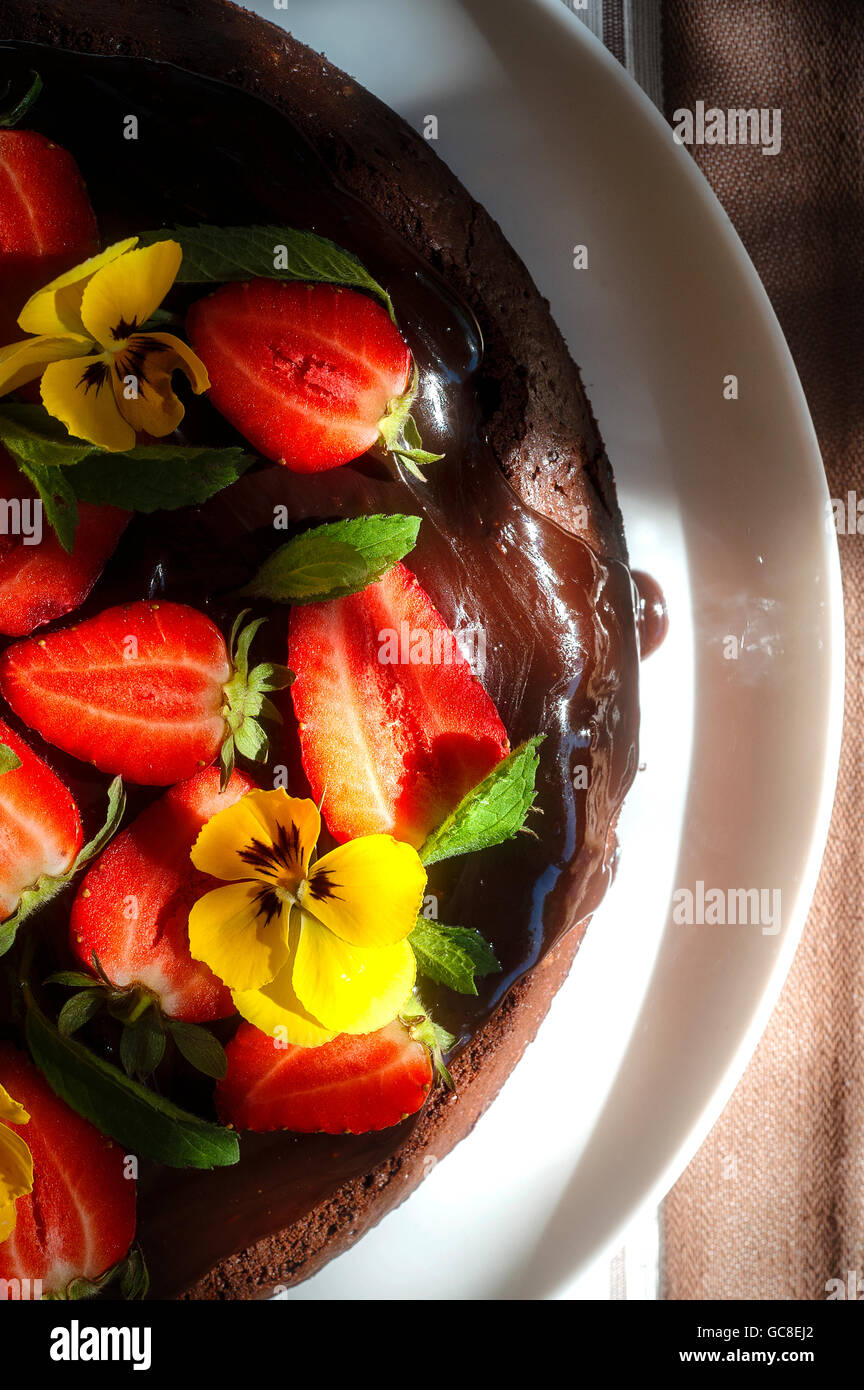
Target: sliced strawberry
[46,222]
[353,1084]
[41,582]
[40,827]
[390,746]
[305,372]
[79,1220]
[132,908]
[146,691]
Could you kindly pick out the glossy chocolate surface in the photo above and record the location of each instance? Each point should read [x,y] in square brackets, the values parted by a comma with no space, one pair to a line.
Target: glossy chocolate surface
[559,623]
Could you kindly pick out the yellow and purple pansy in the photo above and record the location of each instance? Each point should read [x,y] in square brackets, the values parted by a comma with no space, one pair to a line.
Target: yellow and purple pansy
[104,374]
[315,947]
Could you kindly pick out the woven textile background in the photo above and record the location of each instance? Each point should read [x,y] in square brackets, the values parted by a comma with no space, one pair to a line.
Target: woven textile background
[773,1205]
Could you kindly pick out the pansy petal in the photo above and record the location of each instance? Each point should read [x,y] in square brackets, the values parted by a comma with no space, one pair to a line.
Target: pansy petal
[79,393]
[148,405]
[10,1111]
[143,381]
[168,353]
[16,1177]
[348,988]
[368,891]
[122,295]
[24,361]
[277,1011]
[268,836]
[242,938]
[56,308]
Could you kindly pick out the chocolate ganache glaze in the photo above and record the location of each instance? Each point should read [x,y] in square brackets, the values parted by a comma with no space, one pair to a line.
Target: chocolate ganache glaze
[558,618]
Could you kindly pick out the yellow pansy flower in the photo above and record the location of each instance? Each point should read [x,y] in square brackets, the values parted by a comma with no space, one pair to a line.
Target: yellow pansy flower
[101,376]
[313,946]
[16,1164]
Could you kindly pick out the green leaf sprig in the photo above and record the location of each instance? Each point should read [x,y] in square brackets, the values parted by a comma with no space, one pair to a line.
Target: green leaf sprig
[452,956]
[147,478]
[145,1029]
[143,1122]
[334,560]
[217,255]
[493,811]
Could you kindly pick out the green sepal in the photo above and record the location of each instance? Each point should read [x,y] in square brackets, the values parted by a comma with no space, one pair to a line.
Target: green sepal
[245,699]
[131,1273]
[15,114]
[399,435]
[9,760]
[198,1045]
[437,1041]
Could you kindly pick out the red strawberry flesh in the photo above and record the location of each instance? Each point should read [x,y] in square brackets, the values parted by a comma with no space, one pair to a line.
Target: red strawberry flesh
[79,1219]
[354,1084]
[40,827]
[39,583]
[304,372]
[46,222]
[132,907]
[391,747]
[136,690]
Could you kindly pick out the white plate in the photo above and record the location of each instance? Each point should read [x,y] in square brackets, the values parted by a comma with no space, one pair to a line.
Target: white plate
[725,503]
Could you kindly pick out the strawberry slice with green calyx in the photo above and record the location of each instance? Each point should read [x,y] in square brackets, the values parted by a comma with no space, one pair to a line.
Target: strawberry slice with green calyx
[313,375]
[40,846]
[148,691]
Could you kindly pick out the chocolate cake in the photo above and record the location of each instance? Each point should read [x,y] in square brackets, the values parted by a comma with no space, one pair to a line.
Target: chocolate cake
[240,123]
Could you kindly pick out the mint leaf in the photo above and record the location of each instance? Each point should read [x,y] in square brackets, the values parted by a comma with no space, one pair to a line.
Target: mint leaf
[35,437]
[143,1122]
[219,254]
[146,478]
[9,761]
[59,503]
[491,812]
[157,477]
[78,1010]
[336,559]
[452,956]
